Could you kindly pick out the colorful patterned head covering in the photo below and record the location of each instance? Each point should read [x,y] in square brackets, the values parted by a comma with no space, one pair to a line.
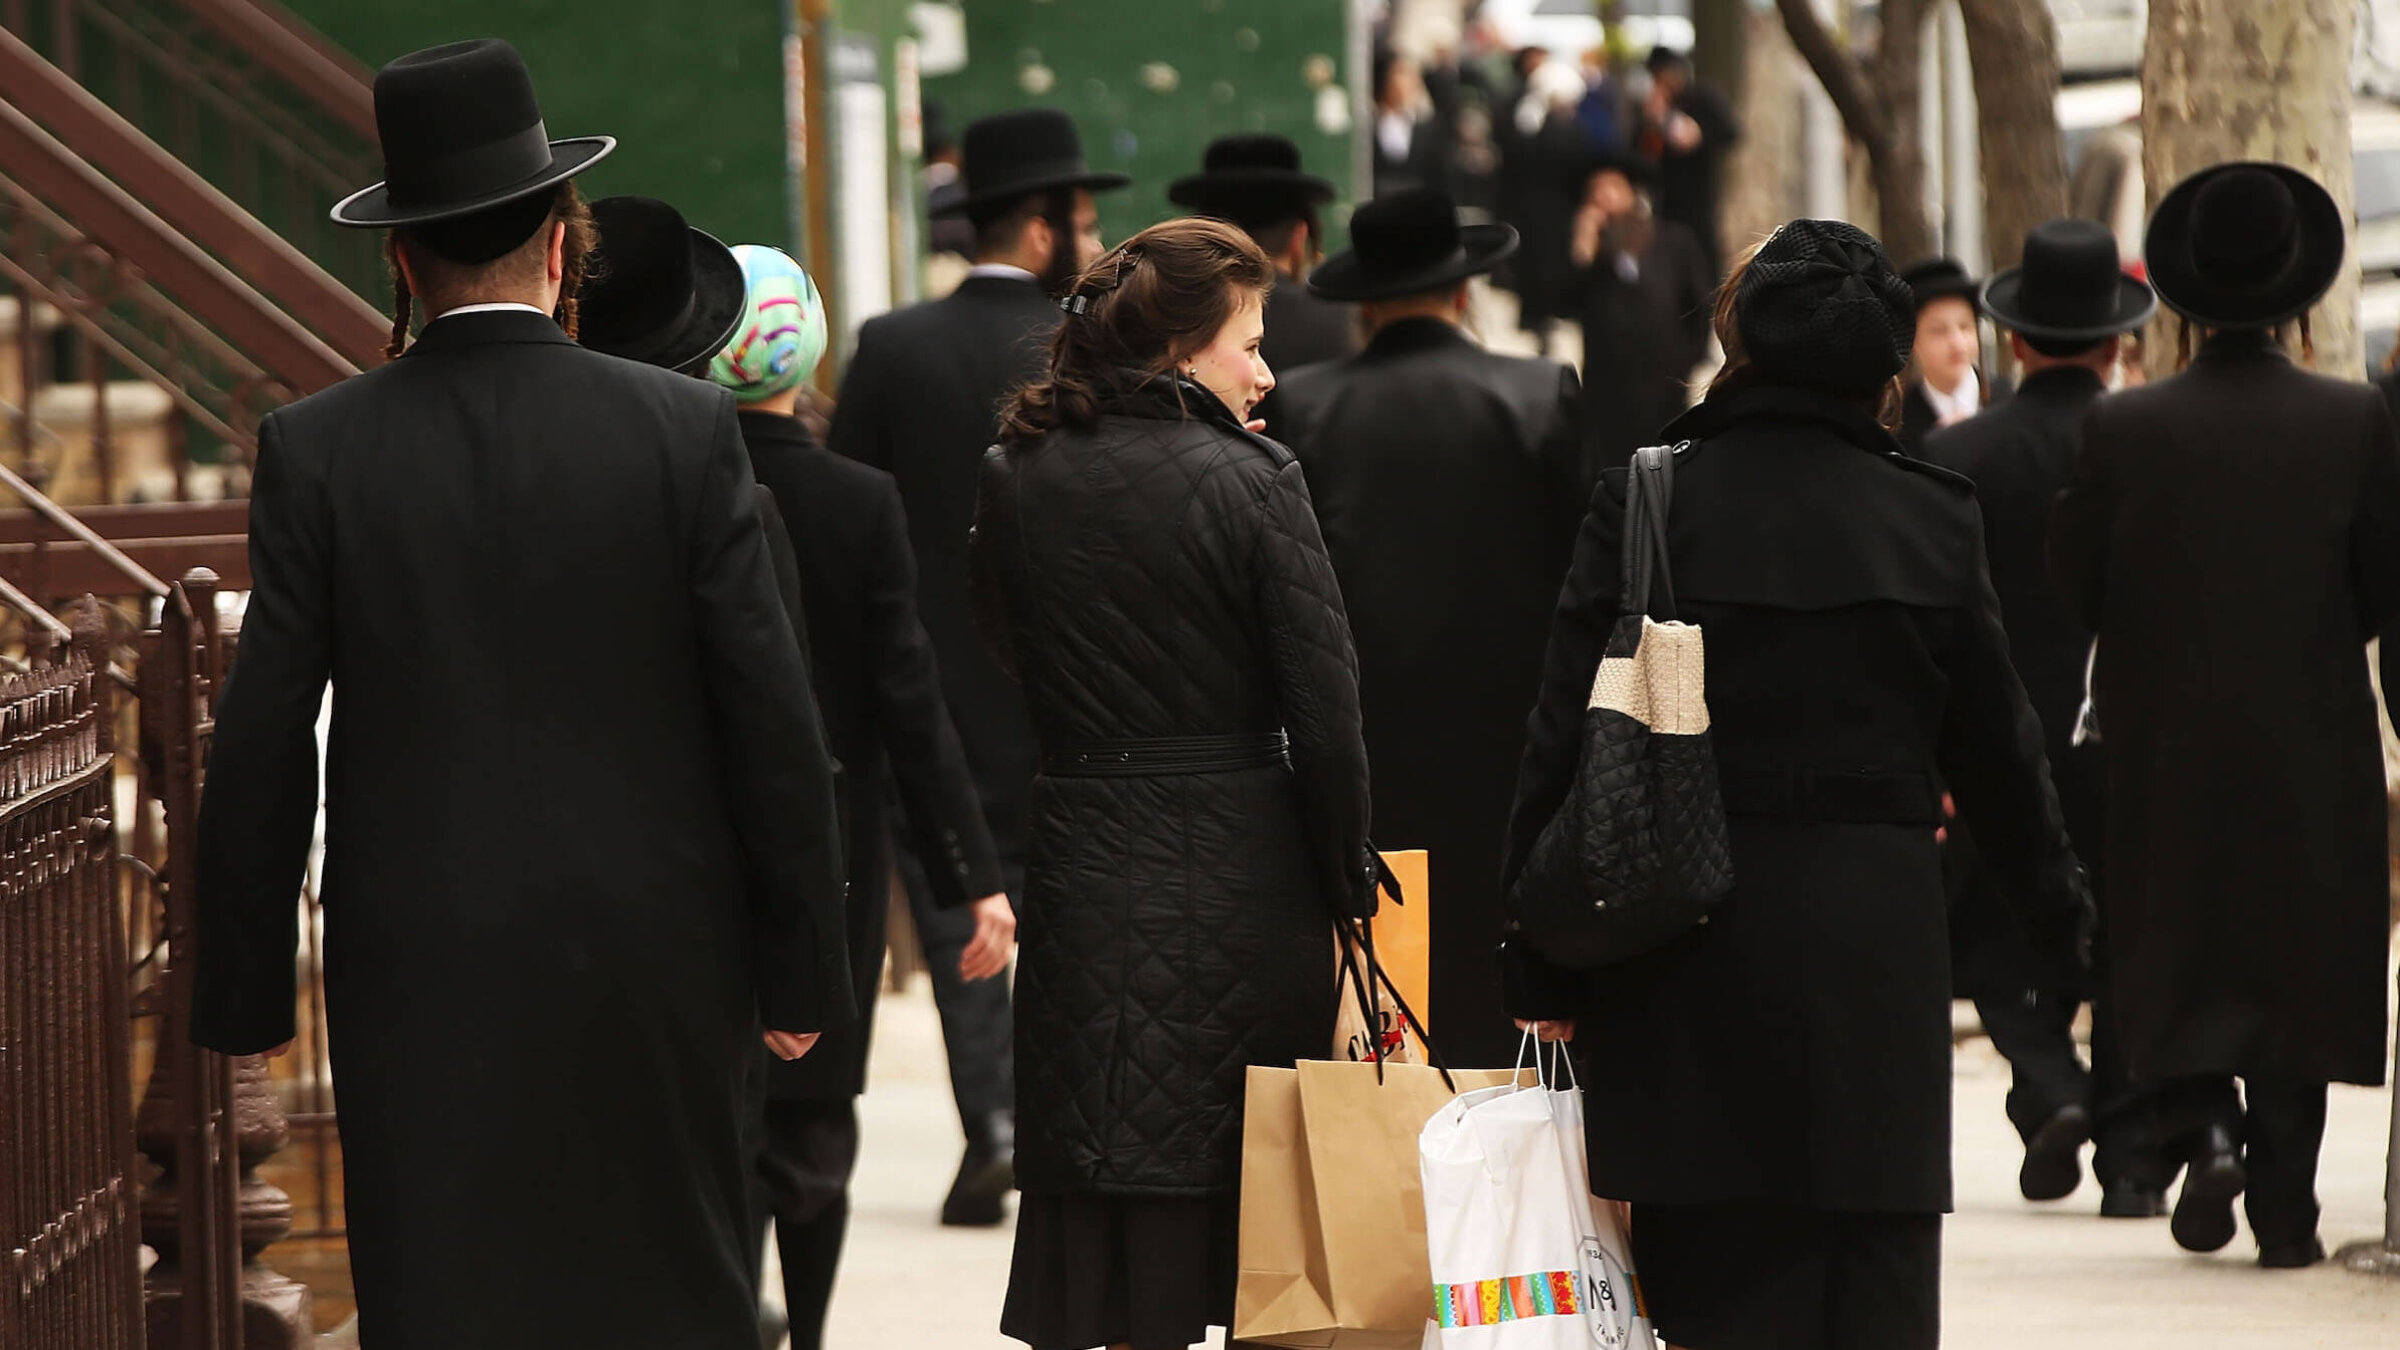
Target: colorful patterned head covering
[781,337]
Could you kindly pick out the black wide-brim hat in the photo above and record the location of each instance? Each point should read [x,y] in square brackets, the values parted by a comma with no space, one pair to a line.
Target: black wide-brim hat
[1407,243]
[2245,245]
[659,291]
[2071,287]
[1637,168]
[1250,177]
[1942,279]
[461,133]
[1010,156]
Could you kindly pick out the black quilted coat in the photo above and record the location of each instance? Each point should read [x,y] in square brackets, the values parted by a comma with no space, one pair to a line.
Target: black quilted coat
[1160,575]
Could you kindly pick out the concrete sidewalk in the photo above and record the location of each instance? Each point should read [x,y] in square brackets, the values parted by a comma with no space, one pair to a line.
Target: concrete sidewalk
[2018,1275]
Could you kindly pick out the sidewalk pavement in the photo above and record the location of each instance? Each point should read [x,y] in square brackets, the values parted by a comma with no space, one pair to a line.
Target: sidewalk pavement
[2016,1275]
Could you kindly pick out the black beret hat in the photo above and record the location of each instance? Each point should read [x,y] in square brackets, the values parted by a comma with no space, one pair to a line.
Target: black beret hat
[1821,308]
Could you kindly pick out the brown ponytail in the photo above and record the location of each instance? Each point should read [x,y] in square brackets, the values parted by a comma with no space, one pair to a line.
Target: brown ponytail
[1152,300]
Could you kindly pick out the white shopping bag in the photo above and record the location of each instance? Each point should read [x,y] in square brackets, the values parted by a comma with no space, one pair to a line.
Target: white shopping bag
[1522,1257]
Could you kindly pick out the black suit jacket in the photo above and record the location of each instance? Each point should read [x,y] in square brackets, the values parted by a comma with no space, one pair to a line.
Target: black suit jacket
[1302,330]
[580,826]
[1449,481]
[921,401]
[879,687]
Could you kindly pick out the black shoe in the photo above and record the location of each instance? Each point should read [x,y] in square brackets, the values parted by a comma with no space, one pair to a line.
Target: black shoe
[2291,1255]
[985,1176]
[2054,1156]
[774,1328]
[2203,1219]
[2128,1200]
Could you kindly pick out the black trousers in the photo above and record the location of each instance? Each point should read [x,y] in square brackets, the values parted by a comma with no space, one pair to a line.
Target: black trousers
[2027,1006]
[976,1032]
[801,1176]
[1771,1277]
[2280,1125]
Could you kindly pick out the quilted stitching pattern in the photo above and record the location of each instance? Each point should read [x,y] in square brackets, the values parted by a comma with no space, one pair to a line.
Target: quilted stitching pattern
[1164,577]
[1638,853]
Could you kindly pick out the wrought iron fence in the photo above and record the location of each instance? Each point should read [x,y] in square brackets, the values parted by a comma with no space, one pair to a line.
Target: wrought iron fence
[68,1188]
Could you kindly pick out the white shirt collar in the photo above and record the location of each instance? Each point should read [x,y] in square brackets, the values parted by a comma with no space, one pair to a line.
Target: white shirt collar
[492,307]
[1013,273]
[1959,404]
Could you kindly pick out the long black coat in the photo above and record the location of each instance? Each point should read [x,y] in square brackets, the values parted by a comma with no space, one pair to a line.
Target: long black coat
[2019,455]
[1449,481]
[921,401]
[1691,182]
[2233,534]
[580,832]
[1302,330]
[1161,575]
[1796,1049]
[1642,337]
[880,691]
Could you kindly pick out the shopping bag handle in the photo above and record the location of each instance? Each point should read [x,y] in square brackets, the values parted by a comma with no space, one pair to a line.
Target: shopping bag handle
[1369,983]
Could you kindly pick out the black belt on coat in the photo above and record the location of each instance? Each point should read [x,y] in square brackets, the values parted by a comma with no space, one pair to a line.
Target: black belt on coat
[1846,796]
[1164,755]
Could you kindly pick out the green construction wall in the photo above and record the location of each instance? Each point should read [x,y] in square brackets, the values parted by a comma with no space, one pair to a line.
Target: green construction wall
[693,93]
[1149,83]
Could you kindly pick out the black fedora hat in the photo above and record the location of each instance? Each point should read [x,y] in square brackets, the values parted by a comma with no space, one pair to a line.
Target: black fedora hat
[2071,287]
[1250,179]
[1010,156]
[1409,242]
[461,133]
[659,292]
[2245,245]
[1942,279]
[1637,168]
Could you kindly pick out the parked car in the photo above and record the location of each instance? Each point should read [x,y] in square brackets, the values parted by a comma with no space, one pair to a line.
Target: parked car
[2101,124]
[1570,28]
[2100,37]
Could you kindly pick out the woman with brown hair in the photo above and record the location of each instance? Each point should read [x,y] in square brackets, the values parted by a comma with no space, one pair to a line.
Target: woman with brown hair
[1149,567]
[1785,1067]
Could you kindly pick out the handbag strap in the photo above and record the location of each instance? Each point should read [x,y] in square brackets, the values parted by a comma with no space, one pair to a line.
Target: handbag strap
[1649,493]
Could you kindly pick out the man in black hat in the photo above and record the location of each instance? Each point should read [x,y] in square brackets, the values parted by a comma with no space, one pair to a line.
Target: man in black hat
[1644,289]
[582,819]
[921,401]
[1944,385]
[1686,129]
[1449,481]
[1254,180]
[2232,535]
[2067,309]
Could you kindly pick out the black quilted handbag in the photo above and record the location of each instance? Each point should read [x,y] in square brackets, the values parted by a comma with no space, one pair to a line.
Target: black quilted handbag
[1637,854]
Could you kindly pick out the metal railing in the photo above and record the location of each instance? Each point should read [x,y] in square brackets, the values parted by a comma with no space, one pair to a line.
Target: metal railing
[70,1277]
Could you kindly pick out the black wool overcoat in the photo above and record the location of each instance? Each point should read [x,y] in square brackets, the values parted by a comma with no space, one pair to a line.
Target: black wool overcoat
[921,400]
[1796,1049]
[1303,330]
[579,832]
[2019,454]
[2233,534]
[879,686]
[1160,575]
[1645,328]
[1449,482]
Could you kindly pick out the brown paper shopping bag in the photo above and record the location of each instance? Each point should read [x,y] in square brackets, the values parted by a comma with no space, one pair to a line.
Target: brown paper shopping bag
[1333,1212]
[1404,934]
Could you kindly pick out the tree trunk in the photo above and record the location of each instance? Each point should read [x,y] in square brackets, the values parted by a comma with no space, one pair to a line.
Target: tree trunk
[2012,47]
[2234,79]
[1900,188]
[1721,45]
[1880,110]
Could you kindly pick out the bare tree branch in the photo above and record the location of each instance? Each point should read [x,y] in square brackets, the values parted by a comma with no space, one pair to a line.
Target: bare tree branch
[1844,78]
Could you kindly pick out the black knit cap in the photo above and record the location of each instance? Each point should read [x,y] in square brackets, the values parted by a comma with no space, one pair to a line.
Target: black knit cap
[1821,308]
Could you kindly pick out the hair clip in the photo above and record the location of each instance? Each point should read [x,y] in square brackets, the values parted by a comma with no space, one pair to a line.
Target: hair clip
[1075,304]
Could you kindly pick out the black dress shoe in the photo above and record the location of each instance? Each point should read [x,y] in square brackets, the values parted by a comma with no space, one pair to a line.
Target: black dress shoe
[2291,1255]
[2054,1156]
[2126,1200]
[774,1327]
[2203,1219]
[985,1175]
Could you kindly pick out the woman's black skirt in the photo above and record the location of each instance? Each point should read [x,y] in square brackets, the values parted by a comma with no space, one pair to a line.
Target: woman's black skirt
[1096,1270]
